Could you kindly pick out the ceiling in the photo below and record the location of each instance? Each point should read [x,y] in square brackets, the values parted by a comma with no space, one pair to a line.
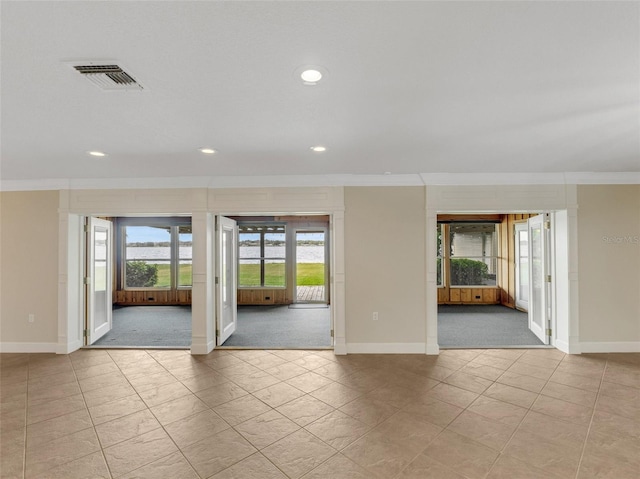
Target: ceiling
[410,88]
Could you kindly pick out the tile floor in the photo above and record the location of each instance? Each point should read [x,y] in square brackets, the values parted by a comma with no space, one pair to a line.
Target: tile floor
[309,414]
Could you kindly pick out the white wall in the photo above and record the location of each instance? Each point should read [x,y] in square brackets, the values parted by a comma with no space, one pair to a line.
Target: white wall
[28,270]
[609,267]
[385,260]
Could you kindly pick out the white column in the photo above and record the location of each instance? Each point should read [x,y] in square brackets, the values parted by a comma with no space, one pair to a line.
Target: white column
[431,306]
[203,282]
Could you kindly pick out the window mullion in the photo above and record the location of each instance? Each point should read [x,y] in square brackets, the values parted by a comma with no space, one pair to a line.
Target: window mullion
[174,257]
[262,265]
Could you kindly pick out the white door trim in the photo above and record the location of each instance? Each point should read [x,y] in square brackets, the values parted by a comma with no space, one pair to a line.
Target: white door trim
[560,198]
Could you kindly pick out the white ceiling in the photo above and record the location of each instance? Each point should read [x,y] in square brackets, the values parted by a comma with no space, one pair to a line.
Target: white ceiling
[412,87]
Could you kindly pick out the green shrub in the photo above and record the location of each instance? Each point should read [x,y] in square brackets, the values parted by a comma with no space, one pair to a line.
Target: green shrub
[468,272]
[141,274]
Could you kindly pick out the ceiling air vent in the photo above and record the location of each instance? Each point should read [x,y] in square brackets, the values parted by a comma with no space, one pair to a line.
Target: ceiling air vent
[108,76]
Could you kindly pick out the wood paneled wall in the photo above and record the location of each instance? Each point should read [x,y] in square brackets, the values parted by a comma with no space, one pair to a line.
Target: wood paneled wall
[504,293]
[263,296]
[164,297]
[468,295]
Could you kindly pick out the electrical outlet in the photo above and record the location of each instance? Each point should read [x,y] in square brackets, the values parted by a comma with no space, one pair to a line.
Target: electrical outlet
[375,315]
[32,318]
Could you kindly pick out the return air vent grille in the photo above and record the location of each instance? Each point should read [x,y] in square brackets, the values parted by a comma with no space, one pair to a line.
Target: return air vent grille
[108,77]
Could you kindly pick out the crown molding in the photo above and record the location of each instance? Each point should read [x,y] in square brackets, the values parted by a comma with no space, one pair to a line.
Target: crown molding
[565,178]
[422,179]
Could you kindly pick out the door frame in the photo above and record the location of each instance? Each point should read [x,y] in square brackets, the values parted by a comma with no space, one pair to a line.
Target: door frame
[559,199]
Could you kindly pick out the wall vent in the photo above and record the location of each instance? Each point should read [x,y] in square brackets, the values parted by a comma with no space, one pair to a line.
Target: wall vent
[107,76]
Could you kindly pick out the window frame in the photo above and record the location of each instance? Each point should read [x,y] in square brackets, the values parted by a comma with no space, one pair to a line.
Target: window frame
[173,224]
[262,258]
[447,256]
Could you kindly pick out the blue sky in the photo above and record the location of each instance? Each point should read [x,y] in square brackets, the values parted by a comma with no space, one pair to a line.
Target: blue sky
[138,234]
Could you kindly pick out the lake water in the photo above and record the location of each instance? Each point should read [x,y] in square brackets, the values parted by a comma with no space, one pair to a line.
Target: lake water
[306,254]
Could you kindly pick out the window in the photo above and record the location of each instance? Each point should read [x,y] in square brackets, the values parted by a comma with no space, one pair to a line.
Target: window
[473,249]
[157,256]
[261,256]
[185,258]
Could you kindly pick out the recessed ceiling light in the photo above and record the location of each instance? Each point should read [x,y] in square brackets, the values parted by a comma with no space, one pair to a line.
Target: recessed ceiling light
[97,153]
[310,74]
[207,151]
[318,148]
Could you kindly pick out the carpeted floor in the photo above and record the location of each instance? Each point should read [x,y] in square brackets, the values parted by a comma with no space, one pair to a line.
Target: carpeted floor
[481,326]
[149,326]
[282,327]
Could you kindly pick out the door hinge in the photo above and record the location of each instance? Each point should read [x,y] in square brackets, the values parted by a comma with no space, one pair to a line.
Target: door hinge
[86,280]
[547,332]
[548,278]
[217,332]
[217,280]
[332,333]
[547,225]
[84,333]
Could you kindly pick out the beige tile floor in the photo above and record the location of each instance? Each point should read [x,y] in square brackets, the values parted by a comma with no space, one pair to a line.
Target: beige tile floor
[309,414]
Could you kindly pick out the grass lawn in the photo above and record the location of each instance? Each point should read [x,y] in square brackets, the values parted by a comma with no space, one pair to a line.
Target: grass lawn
[308,274]
[164,275]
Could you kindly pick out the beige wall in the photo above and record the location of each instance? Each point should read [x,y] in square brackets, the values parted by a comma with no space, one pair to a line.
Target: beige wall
[609,266]
[29,266]
[385,264]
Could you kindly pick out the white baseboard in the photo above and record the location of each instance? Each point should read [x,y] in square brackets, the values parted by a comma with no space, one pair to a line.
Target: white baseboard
[433,348]
[386,348]
[610,347]
[201,347]
[340,347]
[562,345]
[67,348]
[28,347]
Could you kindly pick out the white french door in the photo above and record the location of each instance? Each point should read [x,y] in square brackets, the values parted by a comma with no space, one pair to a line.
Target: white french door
[226,278]
[99,279]
[538,238]
[522,266]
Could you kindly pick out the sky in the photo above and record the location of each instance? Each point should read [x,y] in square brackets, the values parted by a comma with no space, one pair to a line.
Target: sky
[139,234]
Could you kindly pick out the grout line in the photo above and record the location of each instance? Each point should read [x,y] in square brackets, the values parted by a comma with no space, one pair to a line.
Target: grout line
[595,404]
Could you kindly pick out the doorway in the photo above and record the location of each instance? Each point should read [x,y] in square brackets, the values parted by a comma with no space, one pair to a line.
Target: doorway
[281,291]
[138,277]
[488,267]
[310,270]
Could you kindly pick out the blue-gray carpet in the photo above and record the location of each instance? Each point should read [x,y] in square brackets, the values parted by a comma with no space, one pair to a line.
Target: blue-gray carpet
[149,326]
[478,326]
[281,327]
